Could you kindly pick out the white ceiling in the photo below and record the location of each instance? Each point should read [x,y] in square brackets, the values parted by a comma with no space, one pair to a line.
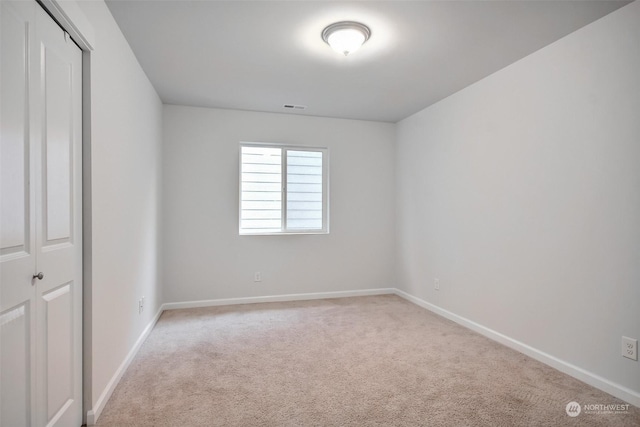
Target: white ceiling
[259,55]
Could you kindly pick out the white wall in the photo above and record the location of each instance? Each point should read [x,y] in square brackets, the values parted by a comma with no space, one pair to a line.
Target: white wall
[522,194]
[205,258]
[125,180]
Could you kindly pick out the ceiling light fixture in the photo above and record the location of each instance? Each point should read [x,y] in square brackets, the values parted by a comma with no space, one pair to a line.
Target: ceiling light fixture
[346,37]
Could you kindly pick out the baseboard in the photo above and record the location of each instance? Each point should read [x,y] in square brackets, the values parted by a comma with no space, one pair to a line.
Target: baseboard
[614,389]
[278,298]
[94,413]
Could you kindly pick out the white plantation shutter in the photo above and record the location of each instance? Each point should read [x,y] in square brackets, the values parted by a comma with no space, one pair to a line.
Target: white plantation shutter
[261,189]
[283,189]
[304,190]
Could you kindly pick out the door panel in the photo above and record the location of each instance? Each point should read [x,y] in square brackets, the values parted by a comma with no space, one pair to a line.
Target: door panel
[57,151]
[58,220]
[16,335]
[17,216]
[14,154]
[59,351]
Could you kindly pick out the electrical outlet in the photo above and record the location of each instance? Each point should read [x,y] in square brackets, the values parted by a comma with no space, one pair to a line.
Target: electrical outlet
[436,284]
[257,277]
[630,348]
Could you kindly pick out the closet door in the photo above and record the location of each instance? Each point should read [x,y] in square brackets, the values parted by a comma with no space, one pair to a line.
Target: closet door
[41,259]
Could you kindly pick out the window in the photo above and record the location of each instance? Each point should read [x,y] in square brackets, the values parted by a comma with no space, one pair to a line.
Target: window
[283,189]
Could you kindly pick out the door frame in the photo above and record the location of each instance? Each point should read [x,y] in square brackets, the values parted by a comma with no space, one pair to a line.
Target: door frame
[70,17]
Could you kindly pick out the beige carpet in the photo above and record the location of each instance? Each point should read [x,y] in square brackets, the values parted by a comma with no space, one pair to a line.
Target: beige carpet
[366,361]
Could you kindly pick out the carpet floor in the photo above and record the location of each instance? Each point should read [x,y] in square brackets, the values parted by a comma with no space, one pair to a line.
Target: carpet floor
[364,361]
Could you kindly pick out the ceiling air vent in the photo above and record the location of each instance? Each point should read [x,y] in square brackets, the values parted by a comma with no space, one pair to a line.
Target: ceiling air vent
[294,107]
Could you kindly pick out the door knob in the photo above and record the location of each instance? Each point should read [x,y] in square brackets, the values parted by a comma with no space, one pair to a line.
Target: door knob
[38,276]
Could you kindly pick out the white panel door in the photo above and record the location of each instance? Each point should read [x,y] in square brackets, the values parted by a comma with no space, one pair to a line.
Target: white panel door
[58,228]
[40,204]
[17,217]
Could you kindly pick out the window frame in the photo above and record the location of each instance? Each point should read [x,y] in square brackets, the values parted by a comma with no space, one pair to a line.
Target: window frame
[283,207]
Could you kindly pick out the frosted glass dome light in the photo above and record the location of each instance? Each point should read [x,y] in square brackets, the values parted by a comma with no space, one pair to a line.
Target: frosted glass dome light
[346,37]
